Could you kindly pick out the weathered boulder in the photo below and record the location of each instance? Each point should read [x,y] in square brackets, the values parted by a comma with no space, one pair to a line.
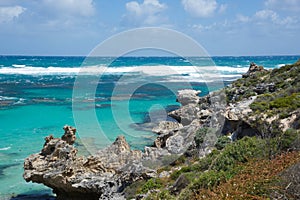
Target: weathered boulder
[253,69]
[58,149]
[188,113]
[185,114]
[160,141]
[204,114]
[166,126]
[187,96]
[182,139]
[237,122]
[117,155]
[153,153]
[69,135]
[263,88]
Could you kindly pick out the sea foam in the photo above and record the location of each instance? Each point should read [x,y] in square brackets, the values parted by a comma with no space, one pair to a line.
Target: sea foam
[5,148]
[158,70]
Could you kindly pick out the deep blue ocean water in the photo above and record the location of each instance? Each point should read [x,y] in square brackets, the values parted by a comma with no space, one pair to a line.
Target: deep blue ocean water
[102,97]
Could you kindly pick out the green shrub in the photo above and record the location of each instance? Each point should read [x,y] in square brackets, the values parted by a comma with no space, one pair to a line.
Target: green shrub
[238,152]
[284,114]
[162,195]
[151,184]
[222,142]
[186,193]
[222,165]
[133,189]
[208,180]
[292,102]
[200,135]
[249,93]
[288,138]
[259,106]
[180,160]
[177,173]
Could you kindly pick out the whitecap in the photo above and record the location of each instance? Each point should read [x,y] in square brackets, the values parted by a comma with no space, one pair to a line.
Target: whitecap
[156,70]
[5,148]
[3,98]
[18,66]
[280,65]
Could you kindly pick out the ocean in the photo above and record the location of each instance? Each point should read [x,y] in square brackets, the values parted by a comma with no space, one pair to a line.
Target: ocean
[101,97]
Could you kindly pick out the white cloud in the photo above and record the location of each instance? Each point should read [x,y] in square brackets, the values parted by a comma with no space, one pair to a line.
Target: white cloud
[10,13]
[266,15]
[200,8]
[243,18]
[288,5]
[146,13]
[83,8]
[203,28]
[223,8]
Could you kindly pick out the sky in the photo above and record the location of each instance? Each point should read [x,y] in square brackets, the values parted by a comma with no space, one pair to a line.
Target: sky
[222,27]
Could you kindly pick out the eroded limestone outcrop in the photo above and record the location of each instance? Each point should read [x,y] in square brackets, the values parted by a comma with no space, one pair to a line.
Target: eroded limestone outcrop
[188,96]
[102,176]
[69,135]
[166,126]
[253,69]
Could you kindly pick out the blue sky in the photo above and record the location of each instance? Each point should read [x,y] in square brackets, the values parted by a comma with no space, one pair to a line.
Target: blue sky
[222,27]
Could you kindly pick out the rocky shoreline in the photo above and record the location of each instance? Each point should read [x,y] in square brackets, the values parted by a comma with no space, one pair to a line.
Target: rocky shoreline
[106,174]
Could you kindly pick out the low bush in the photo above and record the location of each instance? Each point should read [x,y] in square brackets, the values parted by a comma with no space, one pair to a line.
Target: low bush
[161,195]
[222,142]
[200,135]
[151,184]
[289,140]
[291,102]
[258,179]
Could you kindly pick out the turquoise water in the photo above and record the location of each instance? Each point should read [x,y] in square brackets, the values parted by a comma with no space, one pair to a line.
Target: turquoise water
[36,100]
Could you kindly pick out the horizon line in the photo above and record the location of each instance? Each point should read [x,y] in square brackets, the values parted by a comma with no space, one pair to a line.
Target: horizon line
[136,56]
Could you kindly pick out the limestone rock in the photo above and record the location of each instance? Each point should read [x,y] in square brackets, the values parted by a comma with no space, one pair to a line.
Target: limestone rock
[188,96]
[166,126]
[152,153]
[186,114]
[253,69]
[100,176]
[160,141]
[203,114]
[181,140]
[118,155]
[231,115]
[237,122]
[69,135]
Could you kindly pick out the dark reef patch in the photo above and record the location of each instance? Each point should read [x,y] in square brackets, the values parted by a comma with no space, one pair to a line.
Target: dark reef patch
[5,166]
[31,196]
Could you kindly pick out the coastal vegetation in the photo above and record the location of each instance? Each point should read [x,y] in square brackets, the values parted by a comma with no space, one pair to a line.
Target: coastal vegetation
[252,167]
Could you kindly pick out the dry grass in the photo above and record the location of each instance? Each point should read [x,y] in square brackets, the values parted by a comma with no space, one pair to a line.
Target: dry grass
[256,181]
